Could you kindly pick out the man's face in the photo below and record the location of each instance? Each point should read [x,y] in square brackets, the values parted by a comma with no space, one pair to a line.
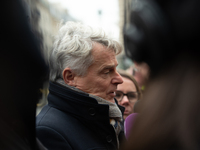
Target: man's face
[101,78]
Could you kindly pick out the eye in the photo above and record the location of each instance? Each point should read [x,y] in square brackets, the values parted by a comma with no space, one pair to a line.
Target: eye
[118,94]
[107,72]
[132,95]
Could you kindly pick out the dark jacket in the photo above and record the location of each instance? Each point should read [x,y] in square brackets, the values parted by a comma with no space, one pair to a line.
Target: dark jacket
[73,120]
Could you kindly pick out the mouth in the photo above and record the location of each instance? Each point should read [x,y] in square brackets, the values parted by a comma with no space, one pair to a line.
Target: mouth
[126,112]
[113,94]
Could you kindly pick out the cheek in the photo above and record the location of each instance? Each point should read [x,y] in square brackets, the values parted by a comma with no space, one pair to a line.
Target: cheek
[131,106]
[95,86]
[99,89]
[130,109]
[102,83]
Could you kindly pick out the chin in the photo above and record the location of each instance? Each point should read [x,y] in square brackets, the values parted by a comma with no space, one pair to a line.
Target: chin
[124,117]
[111,100]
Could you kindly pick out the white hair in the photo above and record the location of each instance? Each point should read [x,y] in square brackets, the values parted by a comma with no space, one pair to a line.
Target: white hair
[72,48]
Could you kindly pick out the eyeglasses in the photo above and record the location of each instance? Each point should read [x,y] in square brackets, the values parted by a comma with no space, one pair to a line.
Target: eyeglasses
[132,96]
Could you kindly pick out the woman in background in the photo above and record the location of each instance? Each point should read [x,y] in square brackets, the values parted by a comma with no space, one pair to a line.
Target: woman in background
[127,93]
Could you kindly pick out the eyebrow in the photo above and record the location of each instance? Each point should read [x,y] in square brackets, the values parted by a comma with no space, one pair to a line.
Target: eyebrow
[109,66]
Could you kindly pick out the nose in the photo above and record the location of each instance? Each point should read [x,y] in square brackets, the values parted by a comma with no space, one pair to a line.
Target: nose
[117,78]
[124,101]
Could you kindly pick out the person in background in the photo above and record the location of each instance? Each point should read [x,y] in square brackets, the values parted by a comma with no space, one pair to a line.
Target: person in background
[81,112]
[23,70]
[165,35]
[128,93]
[141,72]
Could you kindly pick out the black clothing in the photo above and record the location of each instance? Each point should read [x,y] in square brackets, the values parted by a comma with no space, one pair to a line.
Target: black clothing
[22,72]
[73,120]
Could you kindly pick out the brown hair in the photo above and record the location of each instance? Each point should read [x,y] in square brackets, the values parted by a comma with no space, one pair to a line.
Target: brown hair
[126,75]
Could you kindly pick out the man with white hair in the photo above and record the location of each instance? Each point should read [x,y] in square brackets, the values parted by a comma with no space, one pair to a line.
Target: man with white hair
[81,112]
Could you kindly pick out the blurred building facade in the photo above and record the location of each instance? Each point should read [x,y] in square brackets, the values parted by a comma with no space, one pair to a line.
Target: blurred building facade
[124,62]
[45,20]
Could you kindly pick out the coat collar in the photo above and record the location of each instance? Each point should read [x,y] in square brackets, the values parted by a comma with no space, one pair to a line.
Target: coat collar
[77,103]
[114,111]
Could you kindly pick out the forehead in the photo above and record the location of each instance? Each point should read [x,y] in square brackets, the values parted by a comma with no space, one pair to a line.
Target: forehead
[99,48]
[103,56]
[127,80]
[127,84]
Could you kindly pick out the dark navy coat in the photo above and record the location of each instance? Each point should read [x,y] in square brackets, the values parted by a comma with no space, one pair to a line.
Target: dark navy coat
[74,121]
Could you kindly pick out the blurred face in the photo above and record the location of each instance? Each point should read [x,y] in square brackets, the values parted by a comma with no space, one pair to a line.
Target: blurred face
[141,73]
[101,78]
[127,87]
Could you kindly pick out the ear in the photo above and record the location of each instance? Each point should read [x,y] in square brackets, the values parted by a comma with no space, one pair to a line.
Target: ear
[68,76]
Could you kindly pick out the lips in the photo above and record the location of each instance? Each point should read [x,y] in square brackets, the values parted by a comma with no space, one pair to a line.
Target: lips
[113,94]
[126,112]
